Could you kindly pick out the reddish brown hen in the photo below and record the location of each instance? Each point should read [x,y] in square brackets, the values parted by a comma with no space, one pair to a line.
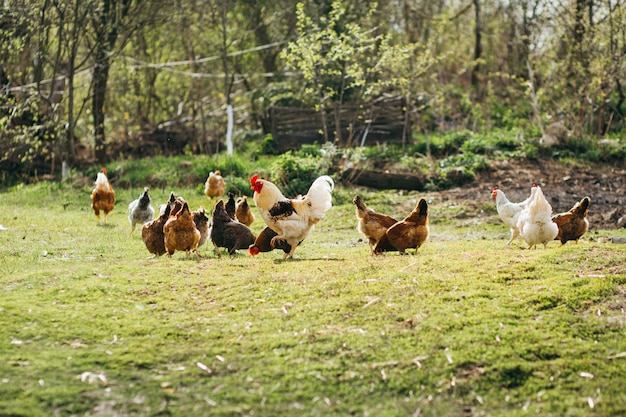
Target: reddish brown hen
[573,223]
[371,224]
[412,232]
[180,231]
[102,196]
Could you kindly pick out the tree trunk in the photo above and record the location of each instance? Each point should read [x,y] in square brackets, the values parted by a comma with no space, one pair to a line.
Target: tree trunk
[107,24]
[478,48]
[100,79]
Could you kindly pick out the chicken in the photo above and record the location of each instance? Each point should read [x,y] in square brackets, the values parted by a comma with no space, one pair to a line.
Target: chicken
[180,231]
[152,232]
[201,220]
[140,211]
[170,203]
[231,206]
[262,243]
[292,219]
[243,213]
[228,233]
[102,196]
[535,223]
[508,211]
[573,223]
[411,232]
[371,224]
[214,185]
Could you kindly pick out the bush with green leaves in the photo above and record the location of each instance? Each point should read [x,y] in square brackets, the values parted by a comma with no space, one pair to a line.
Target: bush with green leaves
[30,141]
[295,174]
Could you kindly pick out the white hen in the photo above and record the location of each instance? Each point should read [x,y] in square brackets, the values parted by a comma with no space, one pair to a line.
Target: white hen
[508,211]
[535,223]
[140,211]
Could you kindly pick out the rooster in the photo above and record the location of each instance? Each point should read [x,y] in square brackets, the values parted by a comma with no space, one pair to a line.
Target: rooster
[102,196]
[573,223]
[508,211]
[411,232]
[535,223]
[140,211]
[214,185]
[180,231]
[292,219]
[243,213]
[228,233]
[371,224]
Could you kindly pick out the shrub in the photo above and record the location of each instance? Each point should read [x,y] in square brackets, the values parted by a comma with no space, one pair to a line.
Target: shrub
[295,174]
[267,145]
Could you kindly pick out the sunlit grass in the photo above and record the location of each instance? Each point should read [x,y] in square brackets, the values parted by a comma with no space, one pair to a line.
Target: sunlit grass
[91,325]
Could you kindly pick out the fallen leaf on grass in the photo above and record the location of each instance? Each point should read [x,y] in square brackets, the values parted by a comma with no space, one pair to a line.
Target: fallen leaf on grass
[418,360]
[91,377]
[383,364]
[204,368]
[586,375]
[590,402]
[284,308]
[374,300]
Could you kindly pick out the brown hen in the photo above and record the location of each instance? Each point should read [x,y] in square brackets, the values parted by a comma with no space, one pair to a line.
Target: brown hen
[573,223]
[412,232]
[180,231]
[371,224]
[102,196]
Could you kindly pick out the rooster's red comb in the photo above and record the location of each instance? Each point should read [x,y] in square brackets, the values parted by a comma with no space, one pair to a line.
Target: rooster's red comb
[254,179]
[495,188]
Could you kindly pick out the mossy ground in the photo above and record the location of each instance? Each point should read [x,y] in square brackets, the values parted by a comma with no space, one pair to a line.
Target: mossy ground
[90,325]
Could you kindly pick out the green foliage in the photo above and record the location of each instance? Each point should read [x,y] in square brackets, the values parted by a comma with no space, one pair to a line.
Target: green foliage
[29,140]
[295,173]
[267,145]
[174,172]
[346,60]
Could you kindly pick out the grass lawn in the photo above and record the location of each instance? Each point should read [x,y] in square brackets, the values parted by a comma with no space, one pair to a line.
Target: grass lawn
[90,325]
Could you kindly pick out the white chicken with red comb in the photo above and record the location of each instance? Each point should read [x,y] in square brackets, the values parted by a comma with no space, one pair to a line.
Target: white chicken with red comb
[508,211]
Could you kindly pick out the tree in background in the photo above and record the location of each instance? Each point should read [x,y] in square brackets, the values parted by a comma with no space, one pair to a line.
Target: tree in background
[138,72]
[341,61]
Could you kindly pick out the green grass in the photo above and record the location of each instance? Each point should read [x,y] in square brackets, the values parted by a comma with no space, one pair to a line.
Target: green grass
[90,325]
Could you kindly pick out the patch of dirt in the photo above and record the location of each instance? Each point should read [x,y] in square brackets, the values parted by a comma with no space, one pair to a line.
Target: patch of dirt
[562,186]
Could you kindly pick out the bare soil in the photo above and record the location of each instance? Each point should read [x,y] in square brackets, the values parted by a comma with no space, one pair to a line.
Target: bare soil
[563,187]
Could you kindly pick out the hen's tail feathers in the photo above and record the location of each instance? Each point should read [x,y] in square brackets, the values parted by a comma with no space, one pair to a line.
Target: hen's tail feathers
[102,183]
[583,205]
[320,194]
[423,207]
[359,203]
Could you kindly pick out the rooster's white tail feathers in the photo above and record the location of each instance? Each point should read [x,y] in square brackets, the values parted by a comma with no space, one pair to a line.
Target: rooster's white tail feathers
[320,195]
